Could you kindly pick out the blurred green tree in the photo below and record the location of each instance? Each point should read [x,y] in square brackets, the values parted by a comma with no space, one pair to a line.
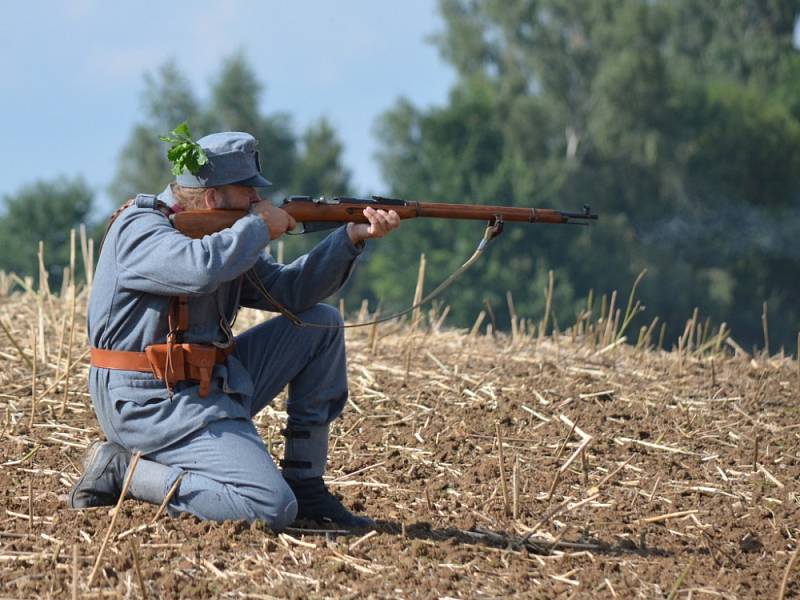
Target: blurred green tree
[311,165]
[319,171]
[236,96]
[43,211]
[47,210]
[676,120]
[142,165]
[235,104]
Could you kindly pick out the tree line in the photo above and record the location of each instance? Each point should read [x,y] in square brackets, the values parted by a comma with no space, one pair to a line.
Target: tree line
[678,121]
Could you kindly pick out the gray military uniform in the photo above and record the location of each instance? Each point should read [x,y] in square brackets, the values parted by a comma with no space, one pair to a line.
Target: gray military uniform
[211,441]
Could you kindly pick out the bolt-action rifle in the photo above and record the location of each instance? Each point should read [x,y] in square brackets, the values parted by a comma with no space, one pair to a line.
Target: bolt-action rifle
[320,213]
[317,214]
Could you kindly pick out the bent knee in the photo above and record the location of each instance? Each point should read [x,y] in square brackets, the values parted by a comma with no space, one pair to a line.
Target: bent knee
[323,314]
[278,508]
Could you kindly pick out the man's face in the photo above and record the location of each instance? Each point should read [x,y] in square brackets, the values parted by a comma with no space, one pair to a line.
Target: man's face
[236,196]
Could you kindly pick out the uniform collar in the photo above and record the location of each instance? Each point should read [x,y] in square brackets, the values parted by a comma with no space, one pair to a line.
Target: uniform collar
[167,198]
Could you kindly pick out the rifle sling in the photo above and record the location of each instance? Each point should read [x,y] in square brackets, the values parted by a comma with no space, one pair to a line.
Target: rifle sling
[492,231]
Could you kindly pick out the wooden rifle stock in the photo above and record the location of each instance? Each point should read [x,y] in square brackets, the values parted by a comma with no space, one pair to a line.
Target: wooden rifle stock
[198,223]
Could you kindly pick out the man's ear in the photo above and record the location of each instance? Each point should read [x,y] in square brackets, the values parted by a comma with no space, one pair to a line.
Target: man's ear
[210,198]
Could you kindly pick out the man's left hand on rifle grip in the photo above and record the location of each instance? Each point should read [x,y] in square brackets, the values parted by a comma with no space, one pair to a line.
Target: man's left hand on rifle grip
[381,222]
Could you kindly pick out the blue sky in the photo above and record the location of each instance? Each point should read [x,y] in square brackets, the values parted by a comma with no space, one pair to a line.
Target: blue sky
[73,72]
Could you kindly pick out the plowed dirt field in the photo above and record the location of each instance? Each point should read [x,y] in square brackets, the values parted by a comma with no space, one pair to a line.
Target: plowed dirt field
[495,465]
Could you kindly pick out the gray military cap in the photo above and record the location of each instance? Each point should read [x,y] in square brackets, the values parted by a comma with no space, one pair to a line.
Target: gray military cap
[232,158]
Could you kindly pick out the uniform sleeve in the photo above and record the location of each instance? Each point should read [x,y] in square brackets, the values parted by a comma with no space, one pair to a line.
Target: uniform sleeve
[153,257]
[307,280]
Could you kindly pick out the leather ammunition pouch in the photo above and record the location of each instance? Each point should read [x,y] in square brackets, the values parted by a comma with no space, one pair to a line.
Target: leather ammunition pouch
[170,363]
[185,362]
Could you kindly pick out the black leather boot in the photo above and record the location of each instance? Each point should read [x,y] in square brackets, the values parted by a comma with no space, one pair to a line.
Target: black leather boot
[316,503]
[304,463]
[104,472]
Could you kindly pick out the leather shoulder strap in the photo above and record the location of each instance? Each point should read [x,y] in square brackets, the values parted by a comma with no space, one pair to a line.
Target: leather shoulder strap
[178,305]
[113,218]
[178,318]
[140,201]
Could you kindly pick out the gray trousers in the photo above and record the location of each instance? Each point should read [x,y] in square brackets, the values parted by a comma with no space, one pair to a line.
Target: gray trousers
[227,472]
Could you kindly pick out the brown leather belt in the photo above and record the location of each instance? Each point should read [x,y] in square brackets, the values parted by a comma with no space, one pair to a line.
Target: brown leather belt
[121,360]
[170,363]
[136,361]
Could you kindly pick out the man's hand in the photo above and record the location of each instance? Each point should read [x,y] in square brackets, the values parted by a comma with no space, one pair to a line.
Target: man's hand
[381,222]
[277,219]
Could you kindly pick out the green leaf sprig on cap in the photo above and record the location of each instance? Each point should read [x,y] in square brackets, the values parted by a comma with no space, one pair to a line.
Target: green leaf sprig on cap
[184,153]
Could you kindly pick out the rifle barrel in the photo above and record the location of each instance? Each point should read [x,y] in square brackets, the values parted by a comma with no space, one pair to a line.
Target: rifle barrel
[492,213]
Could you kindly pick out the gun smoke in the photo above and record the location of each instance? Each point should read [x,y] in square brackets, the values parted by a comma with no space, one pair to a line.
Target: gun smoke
[731,233]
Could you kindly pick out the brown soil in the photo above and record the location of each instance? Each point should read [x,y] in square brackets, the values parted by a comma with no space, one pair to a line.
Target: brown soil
[671,496]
